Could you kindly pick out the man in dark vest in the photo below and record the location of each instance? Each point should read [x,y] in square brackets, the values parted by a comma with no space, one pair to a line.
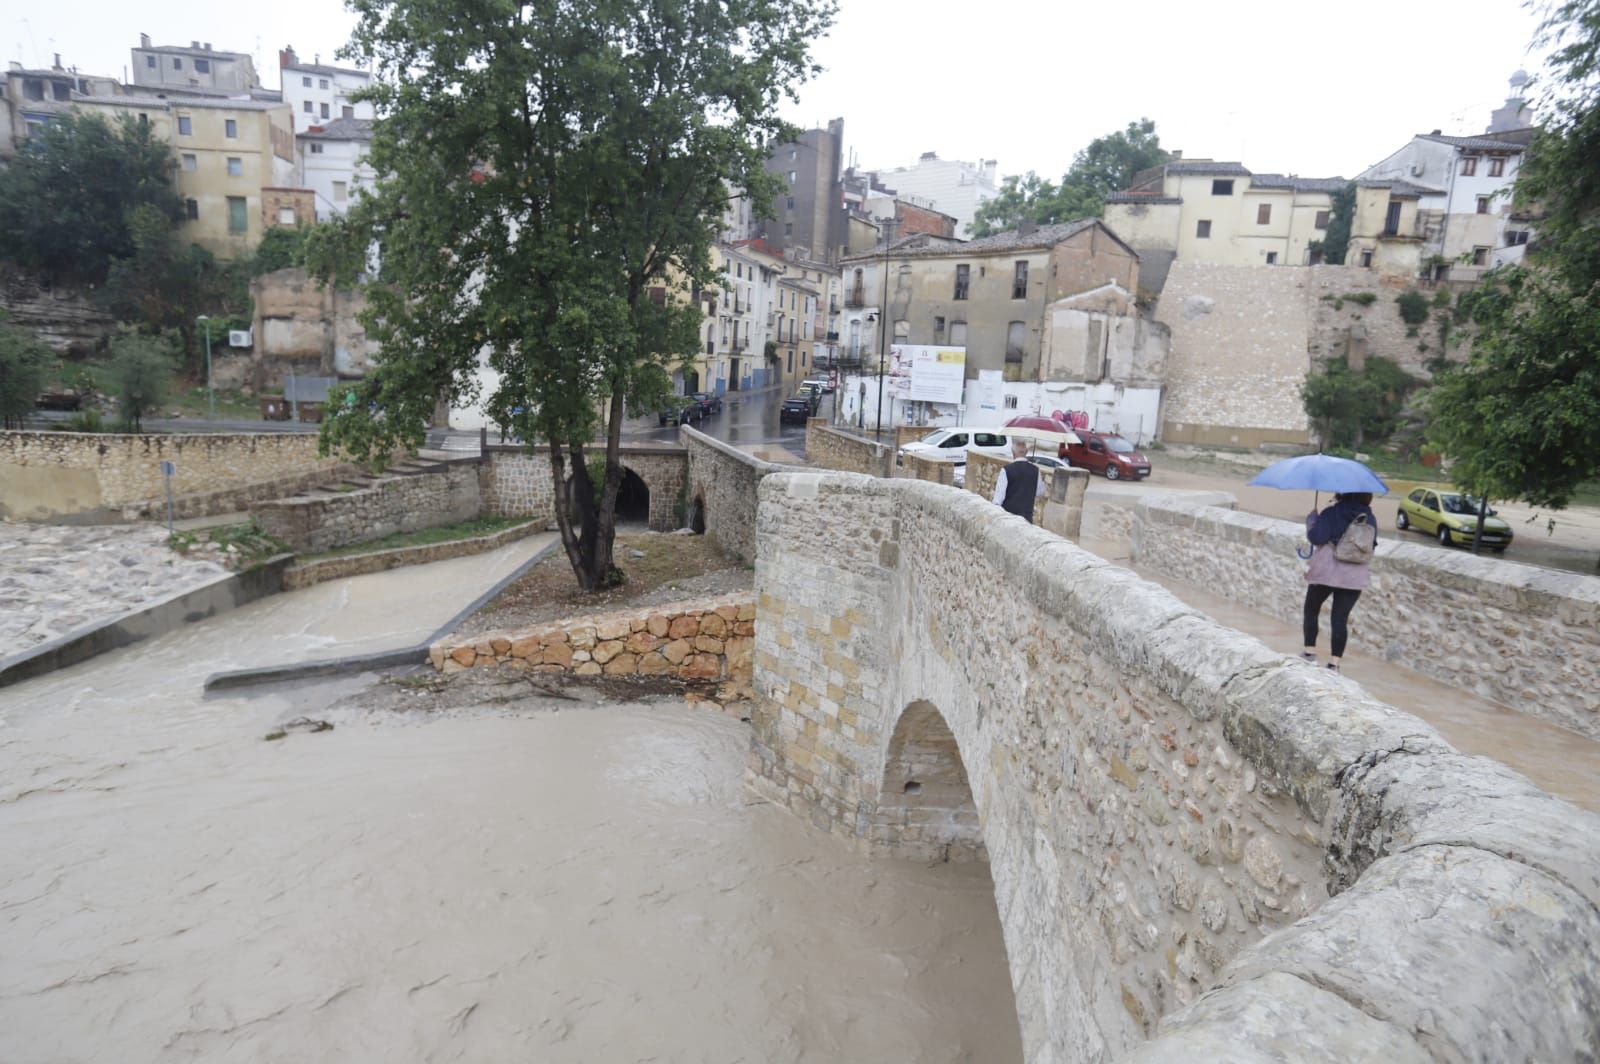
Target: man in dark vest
[1019,484]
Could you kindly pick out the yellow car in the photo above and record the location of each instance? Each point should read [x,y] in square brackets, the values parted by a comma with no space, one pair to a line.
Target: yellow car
[1452,517]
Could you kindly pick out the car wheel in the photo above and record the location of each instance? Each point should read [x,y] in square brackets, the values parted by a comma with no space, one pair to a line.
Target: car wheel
[1112,473]
[1498,550]
[1401,521]
[1444,534]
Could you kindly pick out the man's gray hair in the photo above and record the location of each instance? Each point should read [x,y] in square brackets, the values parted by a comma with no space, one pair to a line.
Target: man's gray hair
[1019,447]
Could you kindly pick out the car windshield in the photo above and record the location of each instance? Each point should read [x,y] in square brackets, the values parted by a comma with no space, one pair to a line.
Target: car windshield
[1119,445]
[1460,504]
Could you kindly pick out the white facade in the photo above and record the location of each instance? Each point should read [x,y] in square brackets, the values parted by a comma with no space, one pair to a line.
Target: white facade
[1133,413]
[333,164]
[947,185]
[319,94]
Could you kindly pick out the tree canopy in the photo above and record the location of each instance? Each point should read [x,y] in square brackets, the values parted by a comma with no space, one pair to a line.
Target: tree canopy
[545,167]
[1107,165]
[69,199]
[1521,417]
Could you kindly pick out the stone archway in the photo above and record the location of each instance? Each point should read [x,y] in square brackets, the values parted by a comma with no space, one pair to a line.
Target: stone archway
[633,499]
[697,515]
[925,808]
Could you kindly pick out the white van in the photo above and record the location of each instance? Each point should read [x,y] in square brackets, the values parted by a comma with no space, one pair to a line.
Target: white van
[952,444]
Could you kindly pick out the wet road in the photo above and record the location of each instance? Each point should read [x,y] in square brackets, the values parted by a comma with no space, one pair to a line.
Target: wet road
[747,420]
[537,880]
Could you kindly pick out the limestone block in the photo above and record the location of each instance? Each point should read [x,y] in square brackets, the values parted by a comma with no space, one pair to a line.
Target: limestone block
[604,652]
[587,668]
[1497,961]
[712,624]
[527,647]
[642,642]
[654,664]
[623,664]
[463,656]
[701,667]
[707,645]
[612,628]
[657,625]
[684,627]
[677,650]
[558,654]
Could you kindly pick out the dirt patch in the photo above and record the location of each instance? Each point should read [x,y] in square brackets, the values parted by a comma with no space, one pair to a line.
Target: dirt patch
[660,567]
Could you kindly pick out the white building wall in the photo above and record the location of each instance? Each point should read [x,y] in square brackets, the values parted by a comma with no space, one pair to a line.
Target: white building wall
[339,162]
[325,97]
[953,187]
[1130,412]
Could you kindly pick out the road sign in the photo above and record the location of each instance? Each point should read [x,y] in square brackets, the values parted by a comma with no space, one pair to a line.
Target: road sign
[168,469]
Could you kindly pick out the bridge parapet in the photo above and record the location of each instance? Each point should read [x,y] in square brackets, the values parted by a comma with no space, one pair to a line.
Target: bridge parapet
[1166,805]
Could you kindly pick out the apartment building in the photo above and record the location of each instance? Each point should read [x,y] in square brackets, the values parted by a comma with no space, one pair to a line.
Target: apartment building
[197,69]
[229,150]
[319,93]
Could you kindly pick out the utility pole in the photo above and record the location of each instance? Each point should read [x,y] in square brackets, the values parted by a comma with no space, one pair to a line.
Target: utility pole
[883,323]
[211,395]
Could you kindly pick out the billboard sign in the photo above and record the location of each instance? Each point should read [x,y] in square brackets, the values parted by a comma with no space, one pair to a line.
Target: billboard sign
[927,374]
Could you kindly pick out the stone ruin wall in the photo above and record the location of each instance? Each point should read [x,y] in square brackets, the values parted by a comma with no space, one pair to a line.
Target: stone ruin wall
[1166,805]
[330,520]
[51,474]
[1521,635]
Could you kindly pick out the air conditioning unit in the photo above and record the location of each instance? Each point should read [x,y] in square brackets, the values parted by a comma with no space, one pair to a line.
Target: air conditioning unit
[239,338]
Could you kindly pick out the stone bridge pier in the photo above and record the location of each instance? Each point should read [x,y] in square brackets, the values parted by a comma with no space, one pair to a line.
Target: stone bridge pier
[1201,850]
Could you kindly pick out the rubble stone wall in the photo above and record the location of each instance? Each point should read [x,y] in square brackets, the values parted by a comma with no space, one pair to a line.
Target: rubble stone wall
[516,483]
[1166,805]
[1521,635]
[721,491]
[330,520]
[707,641]
[52,474]
[832,448]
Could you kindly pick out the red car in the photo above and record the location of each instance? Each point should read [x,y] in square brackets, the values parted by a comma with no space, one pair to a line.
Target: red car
[1046,424]
[1108,453]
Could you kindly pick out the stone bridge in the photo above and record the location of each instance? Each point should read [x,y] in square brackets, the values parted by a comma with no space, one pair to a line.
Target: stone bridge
[1201,849]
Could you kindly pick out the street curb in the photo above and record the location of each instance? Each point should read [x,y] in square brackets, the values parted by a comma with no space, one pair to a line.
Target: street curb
[184,607]
[415,654]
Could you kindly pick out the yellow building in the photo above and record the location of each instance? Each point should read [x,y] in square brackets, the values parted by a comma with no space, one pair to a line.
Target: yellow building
[227,152]
[1202,210]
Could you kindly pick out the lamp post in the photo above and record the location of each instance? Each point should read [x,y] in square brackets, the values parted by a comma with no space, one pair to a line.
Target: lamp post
[211,395]
[883,343]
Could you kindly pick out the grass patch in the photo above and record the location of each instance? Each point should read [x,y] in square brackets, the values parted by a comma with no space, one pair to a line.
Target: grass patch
[478,526]
[239,546]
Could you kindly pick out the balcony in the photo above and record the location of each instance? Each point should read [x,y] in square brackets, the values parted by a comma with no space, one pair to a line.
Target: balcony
[833,337]
[856,297]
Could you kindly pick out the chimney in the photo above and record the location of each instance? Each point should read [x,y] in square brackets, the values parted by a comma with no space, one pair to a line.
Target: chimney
[208,46]
[1436,132]
[286,57]
[57,65]
[194,45]
[144,40]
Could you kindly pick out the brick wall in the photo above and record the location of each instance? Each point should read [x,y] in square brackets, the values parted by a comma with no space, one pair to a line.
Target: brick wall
[332,519]
[1166,805]
[833,448]
[47,474]
[1518,634]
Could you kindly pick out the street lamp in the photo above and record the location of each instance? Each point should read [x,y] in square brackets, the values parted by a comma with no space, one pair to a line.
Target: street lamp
[211,396]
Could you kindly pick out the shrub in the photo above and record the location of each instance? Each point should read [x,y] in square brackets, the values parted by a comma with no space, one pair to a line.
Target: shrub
[1350,408]
[141,374]
[25,364]
[1413,307]
[1366,299]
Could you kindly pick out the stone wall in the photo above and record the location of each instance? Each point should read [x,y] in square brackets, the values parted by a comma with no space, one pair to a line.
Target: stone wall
[705,641]
[1239,353]
[45,475]
[517,482]
[1166,805]
[1521,635]
[1334,320]
[916,467]
[329,520]
[307,574]
[307,327]
[722,492]
[833,448]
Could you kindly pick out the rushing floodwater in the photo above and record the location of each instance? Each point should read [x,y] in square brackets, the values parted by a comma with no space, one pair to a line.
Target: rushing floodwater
[593,884]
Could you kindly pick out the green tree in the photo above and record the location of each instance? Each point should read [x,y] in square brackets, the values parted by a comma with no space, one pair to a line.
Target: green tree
[1106,165]
[142,367]
[548,165]
[68,201]
[1521,417]
[25,365]
[279,249]
[1336,244]
[1350,407]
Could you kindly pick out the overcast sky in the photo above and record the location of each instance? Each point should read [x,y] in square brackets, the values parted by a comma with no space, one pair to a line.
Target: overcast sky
[1318,89]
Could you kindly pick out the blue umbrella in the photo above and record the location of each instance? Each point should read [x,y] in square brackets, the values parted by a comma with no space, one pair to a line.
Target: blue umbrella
[1319,472]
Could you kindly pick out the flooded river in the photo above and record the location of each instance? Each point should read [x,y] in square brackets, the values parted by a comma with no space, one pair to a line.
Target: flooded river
[539,880]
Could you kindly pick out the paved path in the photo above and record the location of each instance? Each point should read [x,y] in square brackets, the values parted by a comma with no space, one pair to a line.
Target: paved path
[57,579]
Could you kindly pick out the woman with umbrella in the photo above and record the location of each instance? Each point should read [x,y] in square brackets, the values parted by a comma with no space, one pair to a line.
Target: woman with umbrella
[1342,538]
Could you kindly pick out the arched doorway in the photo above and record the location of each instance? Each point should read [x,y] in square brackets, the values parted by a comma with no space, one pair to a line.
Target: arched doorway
[697,516]
[925,806]
[691,381]
[633,500]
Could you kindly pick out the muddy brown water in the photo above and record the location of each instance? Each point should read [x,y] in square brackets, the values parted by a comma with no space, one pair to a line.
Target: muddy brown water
[541,880]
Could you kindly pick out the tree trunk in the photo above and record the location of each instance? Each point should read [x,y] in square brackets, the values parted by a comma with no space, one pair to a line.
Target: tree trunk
[589,532]
[1477,533]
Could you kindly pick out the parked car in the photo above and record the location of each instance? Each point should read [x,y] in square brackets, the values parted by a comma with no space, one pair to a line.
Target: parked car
[798,407]
[1108,453]
[952,445]
[1452,517]
[710,402]
[820,385]
[682,410]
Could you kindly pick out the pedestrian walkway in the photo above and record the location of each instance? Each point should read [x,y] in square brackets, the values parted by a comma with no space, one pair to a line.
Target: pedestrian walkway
[1562,762]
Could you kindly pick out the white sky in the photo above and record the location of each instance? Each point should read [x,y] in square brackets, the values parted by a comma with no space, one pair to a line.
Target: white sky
[1318,89]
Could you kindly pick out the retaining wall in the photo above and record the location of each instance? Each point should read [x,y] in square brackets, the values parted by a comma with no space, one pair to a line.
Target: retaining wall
[722,487]
[1166,804]
[1521,635]
[708,640]
[330,520]
[48,475]
[308,573]
[832,448]
[517,483]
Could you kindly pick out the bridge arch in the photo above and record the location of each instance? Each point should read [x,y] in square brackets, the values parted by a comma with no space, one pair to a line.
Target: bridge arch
[1166,804]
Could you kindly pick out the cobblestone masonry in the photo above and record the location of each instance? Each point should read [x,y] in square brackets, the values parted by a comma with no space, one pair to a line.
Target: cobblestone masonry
[1521,635]
[722,489]
[517,483]
[329,520]
[45,474]
[1166,805]
[306,574]
[832,448]
[710,640]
